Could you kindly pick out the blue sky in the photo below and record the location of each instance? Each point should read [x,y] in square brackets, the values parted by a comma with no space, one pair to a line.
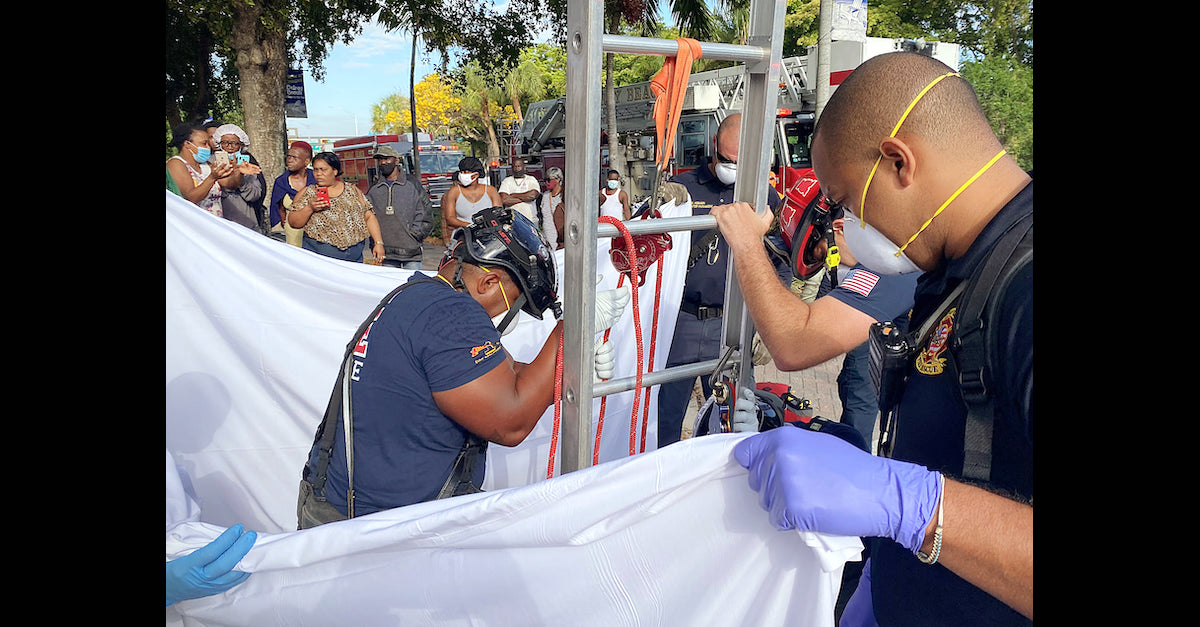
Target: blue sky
[357,76]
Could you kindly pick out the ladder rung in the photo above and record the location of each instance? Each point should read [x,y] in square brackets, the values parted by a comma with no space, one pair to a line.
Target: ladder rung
[686,371]
[658,225]
[669,48]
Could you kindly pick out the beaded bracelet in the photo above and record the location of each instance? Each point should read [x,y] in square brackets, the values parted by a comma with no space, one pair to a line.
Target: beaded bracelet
[932,557]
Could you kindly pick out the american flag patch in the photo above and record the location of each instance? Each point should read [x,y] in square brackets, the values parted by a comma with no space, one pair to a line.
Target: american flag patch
[861,281]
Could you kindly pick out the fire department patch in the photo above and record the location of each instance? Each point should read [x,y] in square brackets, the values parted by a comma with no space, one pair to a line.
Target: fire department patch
[483,352]
[928,361]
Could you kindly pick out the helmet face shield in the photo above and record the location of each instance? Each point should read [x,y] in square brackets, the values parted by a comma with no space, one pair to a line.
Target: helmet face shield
[501,237]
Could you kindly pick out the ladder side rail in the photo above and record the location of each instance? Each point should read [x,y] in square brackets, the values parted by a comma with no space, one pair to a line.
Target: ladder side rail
[758,114]
[586,44]
[585,21]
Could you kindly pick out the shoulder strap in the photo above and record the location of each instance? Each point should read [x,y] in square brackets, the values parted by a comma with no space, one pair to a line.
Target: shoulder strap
[700,246]
[974,339]
[333,409]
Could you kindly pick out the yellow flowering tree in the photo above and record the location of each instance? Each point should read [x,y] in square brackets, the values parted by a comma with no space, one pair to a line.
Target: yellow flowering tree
[438,109]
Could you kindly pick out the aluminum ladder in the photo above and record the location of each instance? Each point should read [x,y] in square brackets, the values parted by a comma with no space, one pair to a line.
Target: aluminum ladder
[586,45]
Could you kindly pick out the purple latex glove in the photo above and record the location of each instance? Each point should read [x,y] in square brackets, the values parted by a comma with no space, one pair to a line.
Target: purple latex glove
[859,611]
[811,481]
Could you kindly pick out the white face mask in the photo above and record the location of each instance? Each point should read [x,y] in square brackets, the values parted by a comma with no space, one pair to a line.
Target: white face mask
[466,178]
[497,319]
[873,250]
[727,172]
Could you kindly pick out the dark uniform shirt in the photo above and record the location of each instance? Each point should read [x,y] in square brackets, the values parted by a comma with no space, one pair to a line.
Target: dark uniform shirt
[705,282]
[930,427]
[430,338]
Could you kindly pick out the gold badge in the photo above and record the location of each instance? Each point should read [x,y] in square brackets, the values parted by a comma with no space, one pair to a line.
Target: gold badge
[929,362]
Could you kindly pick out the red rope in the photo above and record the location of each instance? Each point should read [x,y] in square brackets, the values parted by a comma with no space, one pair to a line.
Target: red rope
[637,323]
[604,399]
[558,374]
[653,342]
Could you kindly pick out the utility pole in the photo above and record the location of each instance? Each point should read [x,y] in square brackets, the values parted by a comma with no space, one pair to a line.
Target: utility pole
[824,45]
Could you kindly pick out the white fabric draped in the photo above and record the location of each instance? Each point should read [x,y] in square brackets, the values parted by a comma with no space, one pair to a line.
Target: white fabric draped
[255,333]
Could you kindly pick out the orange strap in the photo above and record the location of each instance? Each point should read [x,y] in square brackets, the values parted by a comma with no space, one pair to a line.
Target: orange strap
[671,82]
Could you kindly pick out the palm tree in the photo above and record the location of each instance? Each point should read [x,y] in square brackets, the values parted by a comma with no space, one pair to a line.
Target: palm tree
[693,19]
[524,81]
[423,20]
[478,96]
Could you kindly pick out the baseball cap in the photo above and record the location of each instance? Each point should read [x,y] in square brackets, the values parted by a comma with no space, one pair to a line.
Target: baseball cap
[385,151]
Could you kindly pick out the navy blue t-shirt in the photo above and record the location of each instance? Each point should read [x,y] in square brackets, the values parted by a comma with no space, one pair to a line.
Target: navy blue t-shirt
[430,338]
[705,282]
[930,427]
[881,296]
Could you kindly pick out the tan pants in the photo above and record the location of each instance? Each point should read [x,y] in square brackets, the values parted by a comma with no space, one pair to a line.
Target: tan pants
[292,236]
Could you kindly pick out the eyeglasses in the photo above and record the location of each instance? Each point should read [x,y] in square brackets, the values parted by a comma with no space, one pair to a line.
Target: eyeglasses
[723,159]
[234,144]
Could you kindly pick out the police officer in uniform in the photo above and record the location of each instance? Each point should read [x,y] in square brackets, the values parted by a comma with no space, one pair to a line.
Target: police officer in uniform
[698,326]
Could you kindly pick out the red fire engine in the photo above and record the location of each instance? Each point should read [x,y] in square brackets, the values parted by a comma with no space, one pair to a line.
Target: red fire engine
[439,160]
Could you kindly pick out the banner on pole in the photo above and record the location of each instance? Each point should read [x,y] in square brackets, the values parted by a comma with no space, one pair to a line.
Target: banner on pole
[293,104]
[849,21]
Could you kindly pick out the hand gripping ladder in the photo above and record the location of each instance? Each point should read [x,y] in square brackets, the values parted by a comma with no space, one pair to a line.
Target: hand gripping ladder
[586,45]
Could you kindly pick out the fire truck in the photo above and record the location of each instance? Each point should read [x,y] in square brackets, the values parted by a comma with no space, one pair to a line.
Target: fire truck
[439,160]
[710,97]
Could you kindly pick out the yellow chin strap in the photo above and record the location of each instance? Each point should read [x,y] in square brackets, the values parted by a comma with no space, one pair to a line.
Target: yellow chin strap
[951,199]
[500,282]
[862,203]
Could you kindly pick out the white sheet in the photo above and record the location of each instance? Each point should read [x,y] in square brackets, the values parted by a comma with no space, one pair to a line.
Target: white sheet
[255,331]
[673,537]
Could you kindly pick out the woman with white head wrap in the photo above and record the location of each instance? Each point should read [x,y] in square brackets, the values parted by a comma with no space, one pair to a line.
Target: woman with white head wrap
[243,192]
[551,210]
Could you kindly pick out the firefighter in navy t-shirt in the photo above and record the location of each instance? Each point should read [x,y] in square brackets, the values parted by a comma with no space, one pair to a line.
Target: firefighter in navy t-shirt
[904,146]
[431,383]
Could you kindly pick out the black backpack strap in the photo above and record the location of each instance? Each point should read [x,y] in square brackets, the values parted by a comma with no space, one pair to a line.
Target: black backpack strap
[700,247]
[459,481]
[974,344]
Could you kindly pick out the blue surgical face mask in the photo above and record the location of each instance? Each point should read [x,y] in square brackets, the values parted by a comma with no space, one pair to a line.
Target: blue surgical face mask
[202,153]
[614,184]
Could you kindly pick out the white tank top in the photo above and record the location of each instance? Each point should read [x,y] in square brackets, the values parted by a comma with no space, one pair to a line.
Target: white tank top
[212,202]
[465,209]
[612,205]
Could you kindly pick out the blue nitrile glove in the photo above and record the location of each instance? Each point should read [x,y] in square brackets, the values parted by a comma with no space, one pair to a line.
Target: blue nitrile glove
[811,482]
[745,412]
[209,569]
